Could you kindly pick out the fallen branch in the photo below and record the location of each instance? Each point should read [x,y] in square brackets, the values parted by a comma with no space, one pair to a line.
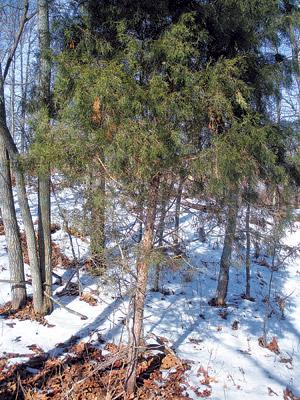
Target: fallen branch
[65,307]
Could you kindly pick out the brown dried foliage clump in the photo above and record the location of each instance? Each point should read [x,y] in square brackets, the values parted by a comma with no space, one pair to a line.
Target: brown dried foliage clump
[57,257]
[272,346]
[2,232]
[289,395]
[85,373]
[25,313]
[88,298]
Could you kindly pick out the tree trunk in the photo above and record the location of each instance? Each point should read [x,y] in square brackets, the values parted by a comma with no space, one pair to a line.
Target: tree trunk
[20,182]
[23,204]
[177,213]
[24,80]
[141,284]
[15,256]
[227,248]
[37,287]
[98,219]
[44,239]
[295,47]
[248,243]
[160,233]
[44,177]
[13,98]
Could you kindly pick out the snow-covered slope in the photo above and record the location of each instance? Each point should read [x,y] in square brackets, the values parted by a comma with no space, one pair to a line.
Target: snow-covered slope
[222,342]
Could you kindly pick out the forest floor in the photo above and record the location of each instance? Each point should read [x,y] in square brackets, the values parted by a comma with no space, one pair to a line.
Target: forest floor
[218,352]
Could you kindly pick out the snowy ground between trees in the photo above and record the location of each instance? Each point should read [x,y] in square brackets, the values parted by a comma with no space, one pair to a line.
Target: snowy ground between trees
[221,345]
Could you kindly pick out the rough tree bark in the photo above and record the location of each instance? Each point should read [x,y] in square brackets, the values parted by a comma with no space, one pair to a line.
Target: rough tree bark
[13,152]
[160,234]
[140,291]
[44,182]
[166,189]
[177,214]
[97,205]
[223,280]
[248,242]
[24,81]
[12,235]
[24,207]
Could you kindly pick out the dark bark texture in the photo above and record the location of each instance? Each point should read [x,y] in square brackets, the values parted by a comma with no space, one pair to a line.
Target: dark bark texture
[141,284]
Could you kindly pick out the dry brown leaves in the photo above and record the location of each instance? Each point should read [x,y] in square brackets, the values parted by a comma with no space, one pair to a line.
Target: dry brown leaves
[26,313]
[289,395]
[78,377]
[58,259]
[207,379]
[170,361]
[272,346]
[76,233]
[55,228]
[113,348]
[96,111]
[2,232]
[88,298]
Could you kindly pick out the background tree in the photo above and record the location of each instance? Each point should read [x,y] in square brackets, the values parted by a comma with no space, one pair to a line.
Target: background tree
[44,180]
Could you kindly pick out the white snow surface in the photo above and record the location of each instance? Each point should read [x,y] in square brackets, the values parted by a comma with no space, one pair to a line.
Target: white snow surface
[238,366]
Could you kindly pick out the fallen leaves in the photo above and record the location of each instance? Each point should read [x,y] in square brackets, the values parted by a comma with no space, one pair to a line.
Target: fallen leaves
[272,346]
[2,232]
[88,298]
[289,395]
[36,349]
[85,373]
[207,379]
[54,228]
[170,361]
[26,313]
[58,259]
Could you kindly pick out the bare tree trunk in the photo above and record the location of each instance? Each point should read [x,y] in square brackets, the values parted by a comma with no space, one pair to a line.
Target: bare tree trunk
[44,186]
[24,80]
[160,233]
[13,98]
[44,240]
[15,257]
[141,284]
[23,203]
[166,188]
[295,47]
[98,219]
[248,243]
[223,280]
[177,213]
[37,287]
[140,217]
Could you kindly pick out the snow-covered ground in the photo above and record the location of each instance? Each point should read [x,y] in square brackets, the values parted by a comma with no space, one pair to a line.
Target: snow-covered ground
[237,365]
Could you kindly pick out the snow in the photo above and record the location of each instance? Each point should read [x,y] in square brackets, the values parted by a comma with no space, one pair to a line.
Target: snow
[203,335]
